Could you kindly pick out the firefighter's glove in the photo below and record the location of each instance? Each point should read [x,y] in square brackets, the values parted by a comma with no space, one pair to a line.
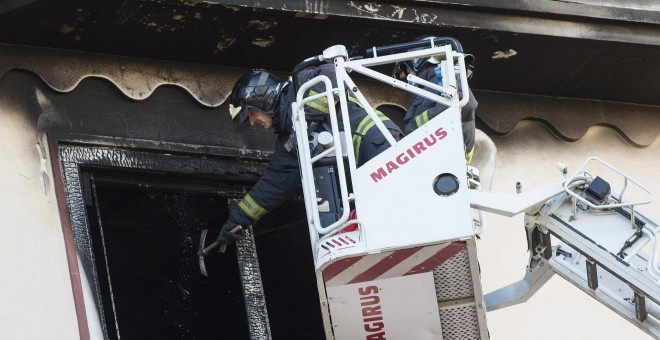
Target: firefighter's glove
[230,233]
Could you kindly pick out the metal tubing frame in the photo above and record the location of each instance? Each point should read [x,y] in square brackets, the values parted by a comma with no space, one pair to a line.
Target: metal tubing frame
[306,165]
[608,206]
[361,66]
[342,68]
[618,268]
[603,294]
[641,279]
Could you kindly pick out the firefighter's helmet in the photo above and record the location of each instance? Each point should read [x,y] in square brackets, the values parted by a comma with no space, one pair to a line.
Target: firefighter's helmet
[402,69]
[257,89]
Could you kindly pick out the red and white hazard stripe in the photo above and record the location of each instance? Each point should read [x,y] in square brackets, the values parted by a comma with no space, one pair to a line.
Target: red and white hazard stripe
[389,264]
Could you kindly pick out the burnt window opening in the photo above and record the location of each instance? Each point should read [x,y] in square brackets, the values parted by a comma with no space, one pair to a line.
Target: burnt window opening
[143,233]
[144,246]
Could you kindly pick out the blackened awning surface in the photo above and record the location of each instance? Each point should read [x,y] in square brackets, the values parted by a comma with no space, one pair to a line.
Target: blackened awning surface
[579,49]
[200,91]
[570,65]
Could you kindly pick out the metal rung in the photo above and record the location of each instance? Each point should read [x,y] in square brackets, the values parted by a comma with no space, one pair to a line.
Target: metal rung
[640,307]
[589,244]
[592,274]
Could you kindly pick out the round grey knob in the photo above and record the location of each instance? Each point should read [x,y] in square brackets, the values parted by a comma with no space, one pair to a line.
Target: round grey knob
[445,185]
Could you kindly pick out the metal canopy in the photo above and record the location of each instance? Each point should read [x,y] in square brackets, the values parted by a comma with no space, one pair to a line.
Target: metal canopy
[579,49]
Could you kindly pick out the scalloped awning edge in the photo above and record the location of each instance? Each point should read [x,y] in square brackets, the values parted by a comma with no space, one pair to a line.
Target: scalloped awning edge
[136,78]
[570,118]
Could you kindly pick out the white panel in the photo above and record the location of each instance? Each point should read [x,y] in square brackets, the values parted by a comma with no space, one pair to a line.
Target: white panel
[381,309]
[402,205]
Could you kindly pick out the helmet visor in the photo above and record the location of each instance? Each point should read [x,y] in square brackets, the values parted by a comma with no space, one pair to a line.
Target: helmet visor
[239,115]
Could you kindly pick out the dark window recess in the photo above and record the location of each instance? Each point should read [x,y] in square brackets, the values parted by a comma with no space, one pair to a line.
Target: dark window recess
[145,243]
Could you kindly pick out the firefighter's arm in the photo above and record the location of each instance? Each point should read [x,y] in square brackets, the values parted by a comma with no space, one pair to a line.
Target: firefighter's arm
[281,177]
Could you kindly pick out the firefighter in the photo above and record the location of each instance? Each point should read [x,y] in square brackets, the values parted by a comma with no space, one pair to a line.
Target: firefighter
[422,109]
[261,99]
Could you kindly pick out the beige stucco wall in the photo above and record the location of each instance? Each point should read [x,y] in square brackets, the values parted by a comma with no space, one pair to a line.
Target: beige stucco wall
[35,287]
[35,290]
[559,310]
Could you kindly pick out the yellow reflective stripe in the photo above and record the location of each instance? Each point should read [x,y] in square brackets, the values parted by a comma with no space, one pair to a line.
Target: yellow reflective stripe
[468,156]
[357,102]
[422,119]
[357,141]
[251,208]
[364,122]
[354,101]
[362,129]
[320,104]
[367,123]
[323,99]
[367,127]
[259,209]
[316,106]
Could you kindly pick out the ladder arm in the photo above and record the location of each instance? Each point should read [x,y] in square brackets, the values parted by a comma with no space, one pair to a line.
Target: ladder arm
[507,204]
[521,291]
[603,244]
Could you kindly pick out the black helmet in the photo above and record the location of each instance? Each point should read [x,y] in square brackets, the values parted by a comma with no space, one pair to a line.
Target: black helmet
[257,89]
[417,64]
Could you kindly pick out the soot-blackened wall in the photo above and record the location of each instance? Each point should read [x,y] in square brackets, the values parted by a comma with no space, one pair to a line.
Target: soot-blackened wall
[140,180]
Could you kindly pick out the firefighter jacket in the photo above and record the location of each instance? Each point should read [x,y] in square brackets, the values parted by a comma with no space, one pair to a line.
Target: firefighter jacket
[282,176]
[422,110]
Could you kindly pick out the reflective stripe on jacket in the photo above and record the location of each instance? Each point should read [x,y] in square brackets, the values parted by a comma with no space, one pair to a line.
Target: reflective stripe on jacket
[365,131]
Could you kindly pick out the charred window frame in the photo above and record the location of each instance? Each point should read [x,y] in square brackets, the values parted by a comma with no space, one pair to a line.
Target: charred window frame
[240,167]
